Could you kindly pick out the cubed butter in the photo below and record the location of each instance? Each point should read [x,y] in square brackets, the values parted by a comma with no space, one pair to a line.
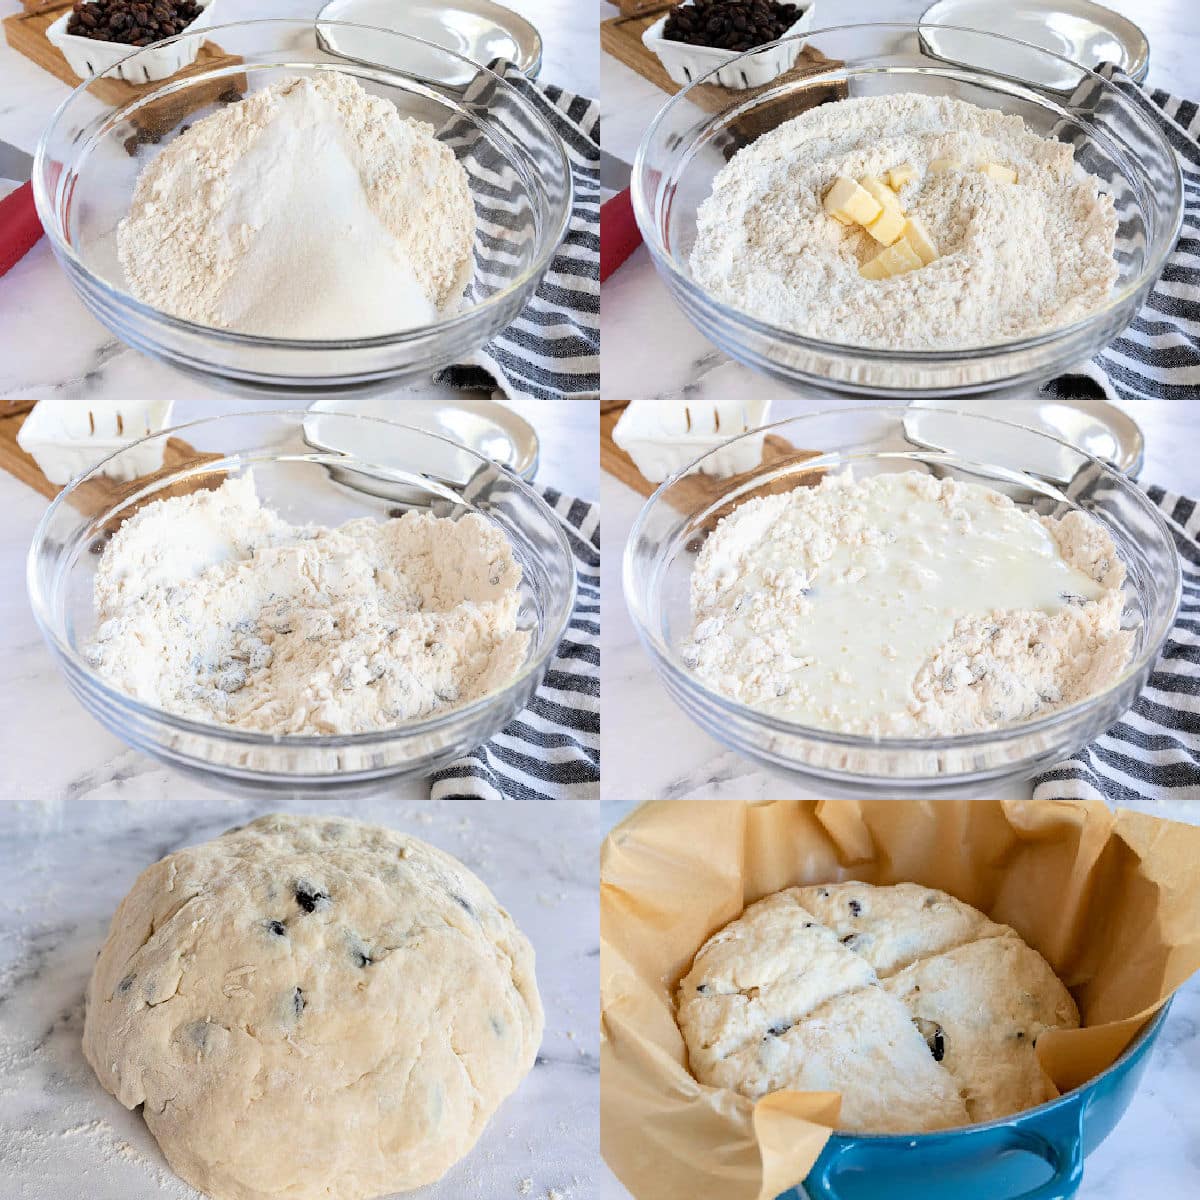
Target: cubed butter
[888,226]
[897,177]
[883,194]
[917,236]
[847,202]
[897,259]
[999,173]
[945,163]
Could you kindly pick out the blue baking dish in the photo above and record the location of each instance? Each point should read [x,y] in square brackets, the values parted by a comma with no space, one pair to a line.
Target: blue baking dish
[1035,1155]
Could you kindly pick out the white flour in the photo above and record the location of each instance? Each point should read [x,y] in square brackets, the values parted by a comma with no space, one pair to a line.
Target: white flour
[215,608]
[309,209]
[905,605]
[1015,259]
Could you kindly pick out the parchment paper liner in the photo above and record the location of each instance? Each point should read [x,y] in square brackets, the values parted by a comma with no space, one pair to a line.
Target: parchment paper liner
[1111,899]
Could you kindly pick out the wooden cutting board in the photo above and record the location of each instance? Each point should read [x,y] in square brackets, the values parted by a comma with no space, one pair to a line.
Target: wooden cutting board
[98,493]
[622,38]
[695,492]
[26,33]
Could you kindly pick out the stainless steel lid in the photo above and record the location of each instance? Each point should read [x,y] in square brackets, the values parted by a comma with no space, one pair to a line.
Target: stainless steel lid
[477,29]
[1086,33]
[1095,426]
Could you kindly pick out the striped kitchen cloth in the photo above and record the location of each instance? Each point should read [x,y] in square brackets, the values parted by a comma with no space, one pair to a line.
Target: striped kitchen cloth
[552,350]
[1153,752]
[552,750]
[1158,355]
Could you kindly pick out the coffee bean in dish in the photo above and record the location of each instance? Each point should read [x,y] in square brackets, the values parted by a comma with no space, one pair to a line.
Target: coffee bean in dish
[731,24]
[132,22]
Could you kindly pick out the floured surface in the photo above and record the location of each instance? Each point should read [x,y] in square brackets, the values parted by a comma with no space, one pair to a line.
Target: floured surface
[1014,259]
[905,605]
[217,609]
[310,209]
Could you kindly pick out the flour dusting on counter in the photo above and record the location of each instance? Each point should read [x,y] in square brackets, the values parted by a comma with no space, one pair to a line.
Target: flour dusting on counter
[215,608]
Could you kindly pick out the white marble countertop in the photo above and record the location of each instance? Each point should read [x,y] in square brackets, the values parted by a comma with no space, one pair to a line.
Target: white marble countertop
[1152,1152]
[63,754]
[634,301]
[651,749]
[63,870]
[51,345]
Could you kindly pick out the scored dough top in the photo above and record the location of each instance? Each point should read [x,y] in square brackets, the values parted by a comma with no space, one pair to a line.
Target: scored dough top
[312,1007]
[797,994]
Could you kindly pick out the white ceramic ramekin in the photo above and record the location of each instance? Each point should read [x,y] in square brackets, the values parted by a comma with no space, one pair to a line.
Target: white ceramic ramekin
[686,63]
[88,57]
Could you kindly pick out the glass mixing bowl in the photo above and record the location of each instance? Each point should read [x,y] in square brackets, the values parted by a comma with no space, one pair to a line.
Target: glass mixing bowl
[83,180]
[686,145]
[299,473]
[669,531]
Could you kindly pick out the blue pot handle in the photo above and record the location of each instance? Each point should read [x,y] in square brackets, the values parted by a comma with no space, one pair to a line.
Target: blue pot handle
[1057,1137]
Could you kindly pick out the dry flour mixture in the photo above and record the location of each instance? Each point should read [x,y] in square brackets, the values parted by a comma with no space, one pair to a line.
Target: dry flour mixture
[215,608]
[310,209]
[1011,239]
[904,605]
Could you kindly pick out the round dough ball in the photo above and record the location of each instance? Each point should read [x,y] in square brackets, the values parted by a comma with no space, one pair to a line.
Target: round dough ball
[312,1007]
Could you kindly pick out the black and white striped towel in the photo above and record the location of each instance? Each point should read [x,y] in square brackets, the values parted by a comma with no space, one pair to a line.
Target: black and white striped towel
[552,750]
[552,350]
[1158,354]
[1154,750]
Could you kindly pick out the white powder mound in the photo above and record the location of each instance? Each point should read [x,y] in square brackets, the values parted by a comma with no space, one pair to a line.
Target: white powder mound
[1015,259]
[216,608]
[903,605]
[310,209]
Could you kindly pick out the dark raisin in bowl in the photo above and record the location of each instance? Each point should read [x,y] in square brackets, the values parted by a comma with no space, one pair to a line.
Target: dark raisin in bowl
[735,25]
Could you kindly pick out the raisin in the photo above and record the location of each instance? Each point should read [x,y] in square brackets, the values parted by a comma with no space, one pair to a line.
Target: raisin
[701,989]
[823,893]
[278,928]
[850,939]
[309,897]
[464,904]
[298,1001]
[125,984]
[934,1035]
[780,1029]
[855,908]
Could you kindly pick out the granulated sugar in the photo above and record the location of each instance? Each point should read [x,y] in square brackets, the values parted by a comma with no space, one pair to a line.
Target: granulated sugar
[1014,258]
[311,209]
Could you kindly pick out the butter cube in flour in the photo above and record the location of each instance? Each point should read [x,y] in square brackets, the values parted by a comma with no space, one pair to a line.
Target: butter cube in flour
[897,259]
[1000,174]
[917,236]
[945,163]
[897,177]
[880,190]
[847,202]
[888,226]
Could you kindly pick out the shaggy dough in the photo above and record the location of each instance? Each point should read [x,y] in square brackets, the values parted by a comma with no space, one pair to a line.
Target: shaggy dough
[312,1009]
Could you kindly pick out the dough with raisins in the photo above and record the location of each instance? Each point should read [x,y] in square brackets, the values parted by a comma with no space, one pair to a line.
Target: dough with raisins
[312,1008]
[917,1008]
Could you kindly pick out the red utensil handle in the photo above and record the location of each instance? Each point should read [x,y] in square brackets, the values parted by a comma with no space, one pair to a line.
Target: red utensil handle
[619,234]
[19,226]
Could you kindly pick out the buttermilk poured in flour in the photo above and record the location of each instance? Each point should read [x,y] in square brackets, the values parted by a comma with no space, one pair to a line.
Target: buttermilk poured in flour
[902,604]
